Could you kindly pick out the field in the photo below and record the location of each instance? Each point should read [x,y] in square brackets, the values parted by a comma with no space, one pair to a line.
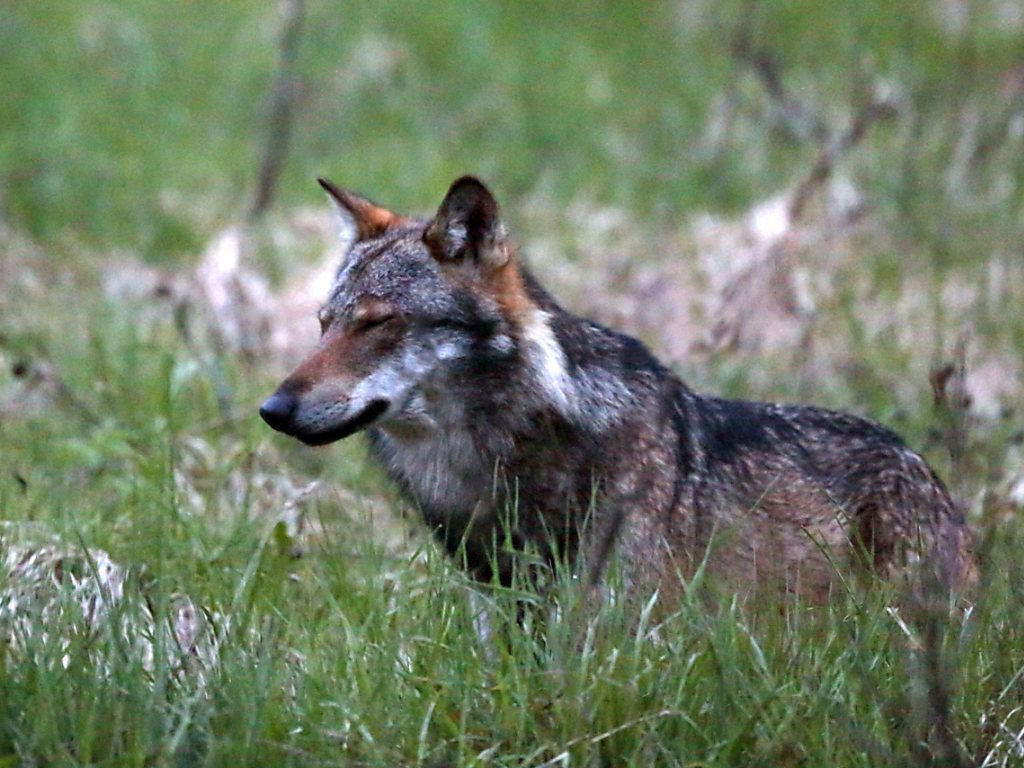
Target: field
[792,201]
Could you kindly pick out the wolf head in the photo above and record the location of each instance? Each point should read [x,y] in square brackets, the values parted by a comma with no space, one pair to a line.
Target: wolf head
[419,310]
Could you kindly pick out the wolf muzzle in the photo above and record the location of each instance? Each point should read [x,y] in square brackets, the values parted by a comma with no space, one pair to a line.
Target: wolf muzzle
[281,409]
[278,409]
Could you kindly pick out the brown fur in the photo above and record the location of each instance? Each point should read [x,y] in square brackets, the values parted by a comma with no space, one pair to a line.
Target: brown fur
[514,425]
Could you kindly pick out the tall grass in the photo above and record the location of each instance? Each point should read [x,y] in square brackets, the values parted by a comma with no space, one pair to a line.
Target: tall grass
[329,630]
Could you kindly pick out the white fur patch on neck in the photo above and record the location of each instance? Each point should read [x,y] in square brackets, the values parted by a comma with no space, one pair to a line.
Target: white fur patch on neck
[547,359]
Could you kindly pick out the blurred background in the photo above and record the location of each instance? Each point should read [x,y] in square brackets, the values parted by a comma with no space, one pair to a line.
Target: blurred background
[787,200]
[141,126]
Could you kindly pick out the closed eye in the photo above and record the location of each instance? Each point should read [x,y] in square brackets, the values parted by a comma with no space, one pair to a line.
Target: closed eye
[372,321]
[372,313]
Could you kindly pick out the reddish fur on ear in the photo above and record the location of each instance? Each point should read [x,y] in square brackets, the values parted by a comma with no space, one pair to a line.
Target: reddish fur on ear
[510,293]
[469,240]
[365,218]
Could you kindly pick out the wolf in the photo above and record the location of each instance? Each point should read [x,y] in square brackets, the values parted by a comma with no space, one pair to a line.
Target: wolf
[515,427]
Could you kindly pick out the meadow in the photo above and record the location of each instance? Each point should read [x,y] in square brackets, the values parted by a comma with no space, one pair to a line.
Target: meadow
[792,200]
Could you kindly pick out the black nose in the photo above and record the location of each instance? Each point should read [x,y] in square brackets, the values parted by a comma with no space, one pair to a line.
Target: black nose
[278,409]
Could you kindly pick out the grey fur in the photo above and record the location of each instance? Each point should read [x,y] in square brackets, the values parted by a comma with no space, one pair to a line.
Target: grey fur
[512,424]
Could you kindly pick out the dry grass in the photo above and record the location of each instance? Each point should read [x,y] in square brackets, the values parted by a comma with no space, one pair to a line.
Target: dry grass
[797,204]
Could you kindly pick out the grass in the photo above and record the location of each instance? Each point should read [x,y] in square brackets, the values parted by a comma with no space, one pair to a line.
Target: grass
[327,629]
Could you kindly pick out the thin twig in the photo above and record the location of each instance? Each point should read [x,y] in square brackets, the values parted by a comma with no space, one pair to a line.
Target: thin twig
[800,121]
[880,107]
[282,108]
[952,402]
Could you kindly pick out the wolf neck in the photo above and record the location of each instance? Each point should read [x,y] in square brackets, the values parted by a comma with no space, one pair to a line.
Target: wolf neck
[546,361]
[545,396]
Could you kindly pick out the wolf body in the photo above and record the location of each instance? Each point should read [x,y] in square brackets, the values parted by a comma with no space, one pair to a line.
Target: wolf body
[514,425]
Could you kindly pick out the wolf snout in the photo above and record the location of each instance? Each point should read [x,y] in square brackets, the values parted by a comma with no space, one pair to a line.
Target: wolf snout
[278,410]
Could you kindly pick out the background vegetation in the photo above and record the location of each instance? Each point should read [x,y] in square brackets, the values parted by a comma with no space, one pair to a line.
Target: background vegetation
[813,200]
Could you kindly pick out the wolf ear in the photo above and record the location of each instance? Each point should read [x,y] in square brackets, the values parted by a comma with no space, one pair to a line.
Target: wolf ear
[467,227]
[360,218]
